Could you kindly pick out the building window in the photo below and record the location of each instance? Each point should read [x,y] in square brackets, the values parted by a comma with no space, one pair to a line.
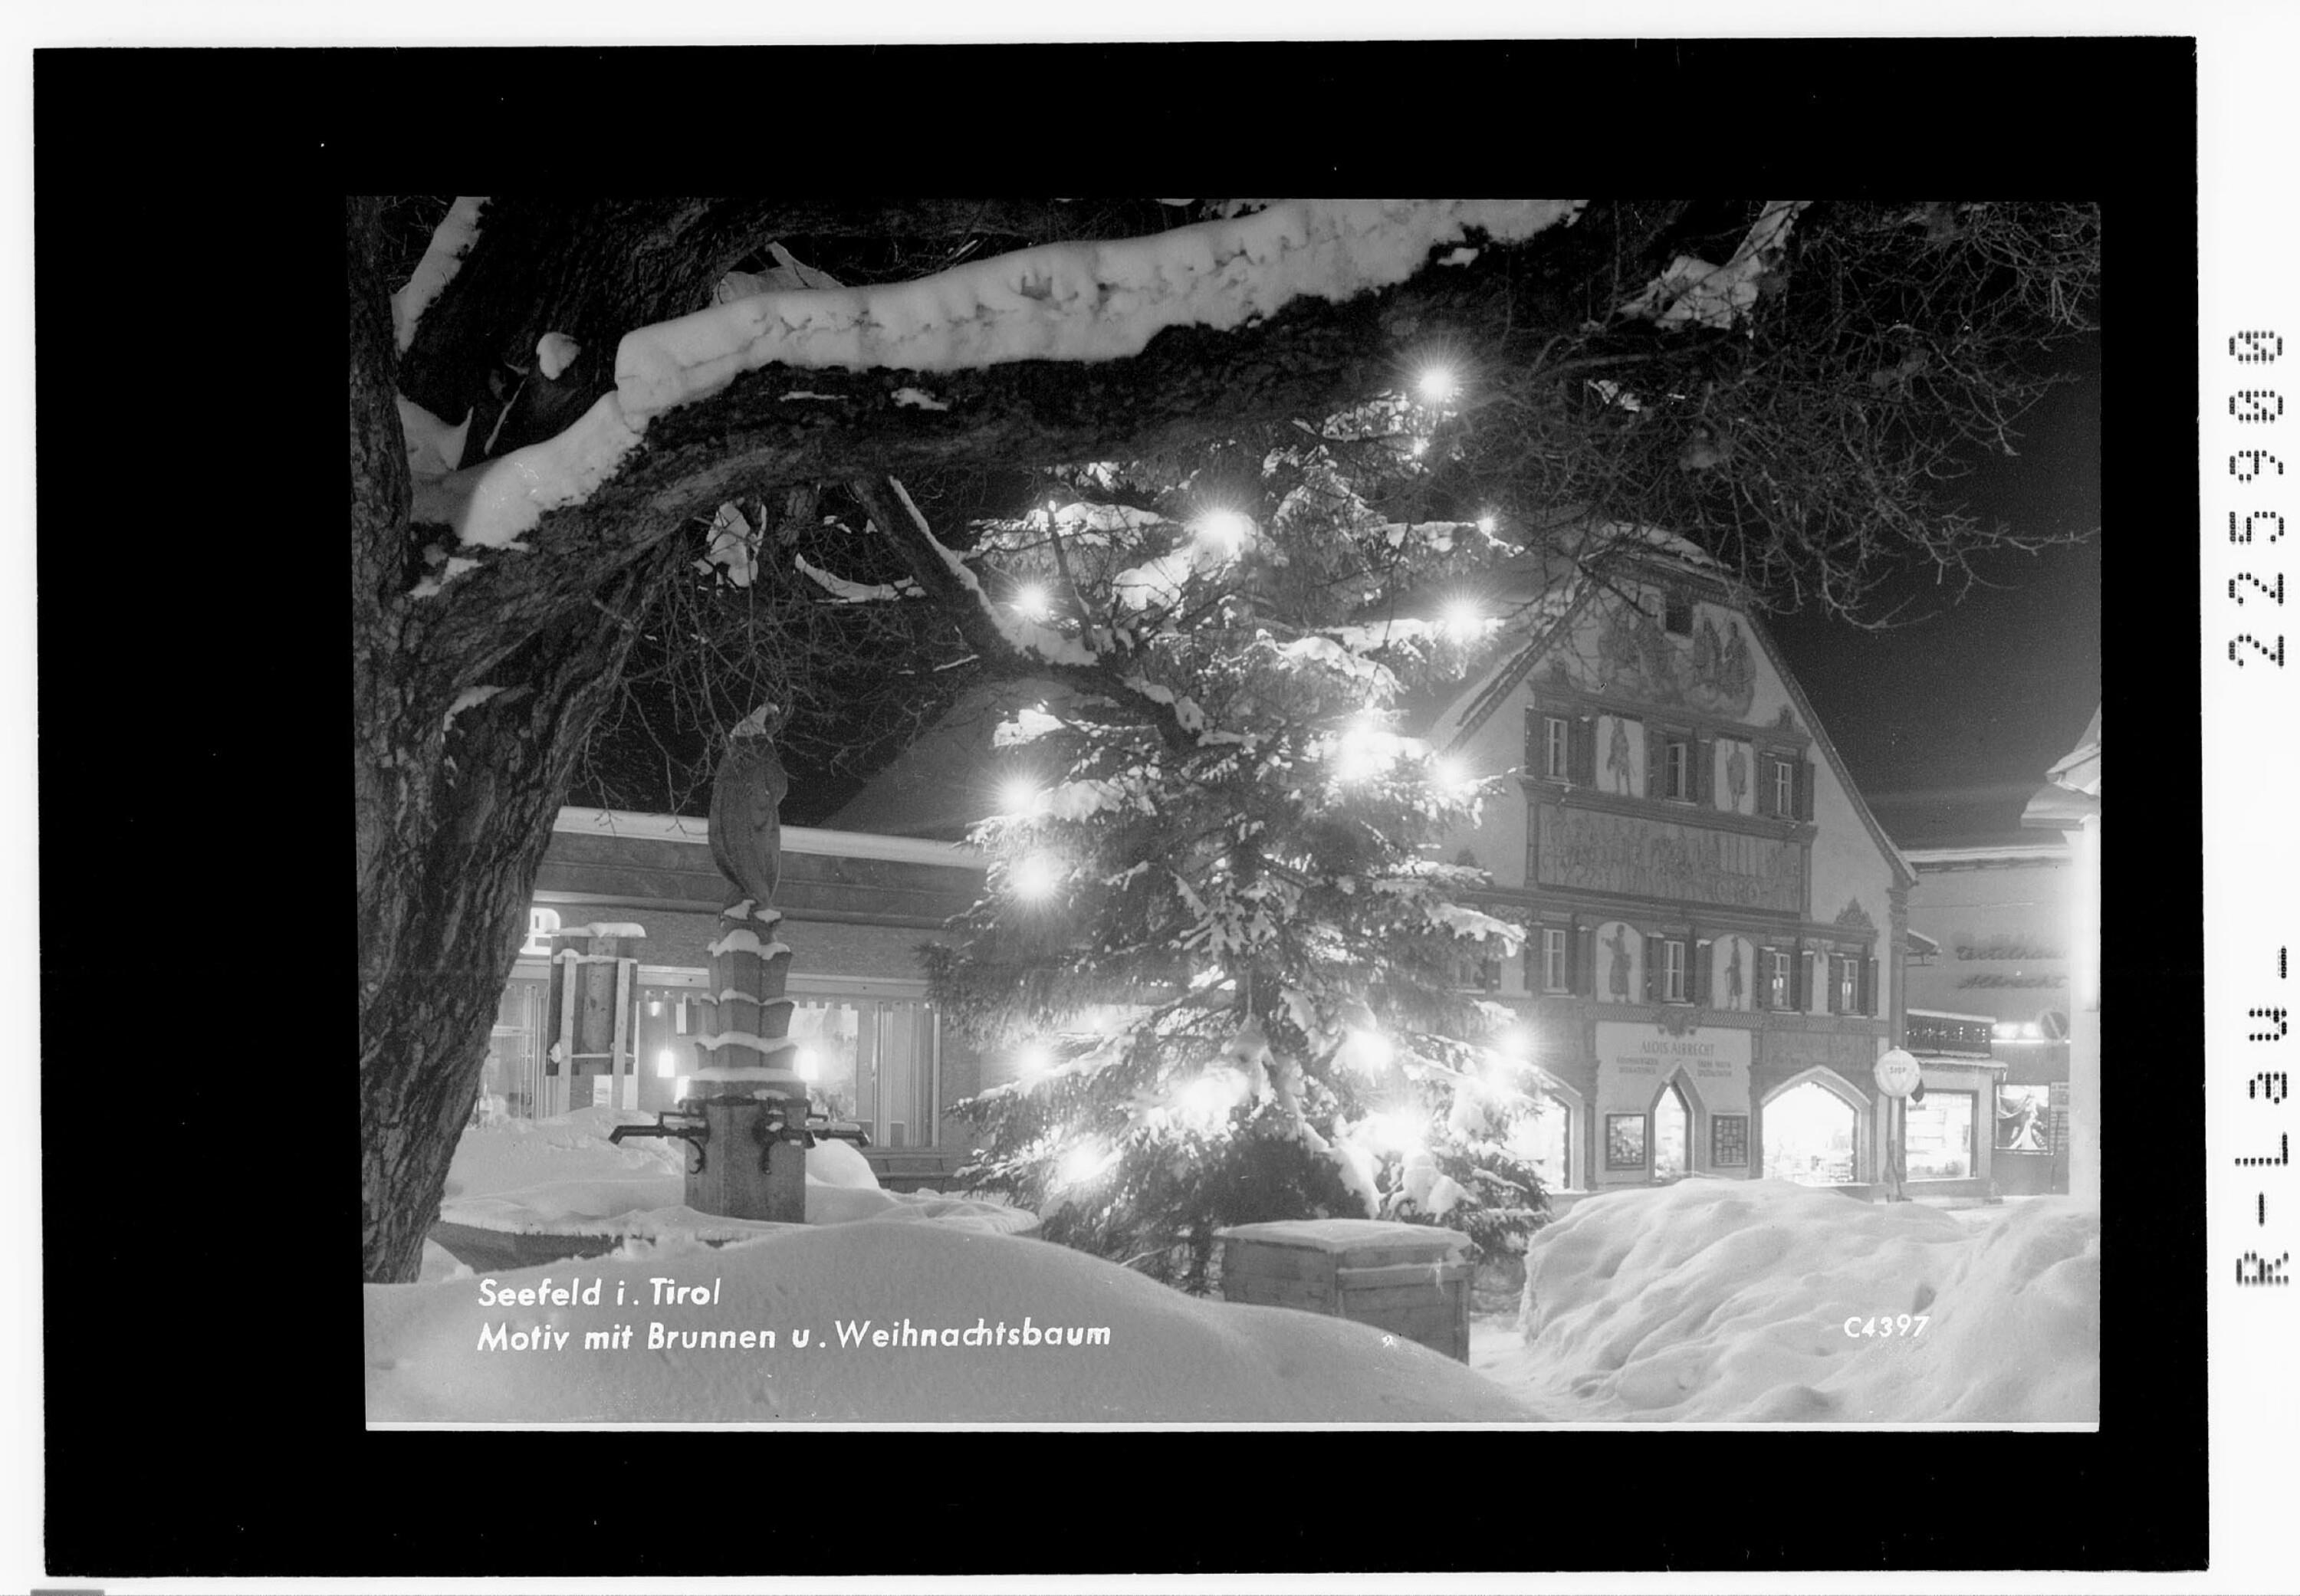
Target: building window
[1677,615]
[1848,985]
[542,925]
[1672,971]
[1678,770]
[1728,1142]
[1552,960]
[1672,1136]
[1940,1136]
[1776,978]
[1625,1141]
[1544,1139]
[1555,751]
[1784,787]
[870,1060]
[1810,1135]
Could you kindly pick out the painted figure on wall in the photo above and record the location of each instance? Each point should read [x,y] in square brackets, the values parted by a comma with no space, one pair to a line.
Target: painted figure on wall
[1711,670]
[1617,756]
[1617,968]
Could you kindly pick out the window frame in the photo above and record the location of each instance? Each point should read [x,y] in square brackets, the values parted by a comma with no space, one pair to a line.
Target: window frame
[1556,747]
[1556,963]
[1674,970]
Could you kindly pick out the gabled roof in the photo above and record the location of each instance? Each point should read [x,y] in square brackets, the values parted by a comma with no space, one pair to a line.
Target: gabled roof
[1469,709]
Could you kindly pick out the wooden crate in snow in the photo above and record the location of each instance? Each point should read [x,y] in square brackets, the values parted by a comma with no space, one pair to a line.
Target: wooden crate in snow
[1411,1280]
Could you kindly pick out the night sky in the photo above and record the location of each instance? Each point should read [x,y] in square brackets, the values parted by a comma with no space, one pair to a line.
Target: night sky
[1949,724]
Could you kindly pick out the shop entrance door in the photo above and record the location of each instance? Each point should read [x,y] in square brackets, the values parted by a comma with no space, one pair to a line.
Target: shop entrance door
[1672,1135]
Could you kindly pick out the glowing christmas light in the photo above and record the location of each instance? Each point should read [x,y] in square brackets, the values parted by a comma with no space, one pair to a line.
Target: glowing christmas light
[1487,523]
[1452,775]
[1224,531]
[1031,601]
[1463,621]
[1368,1050]
[1086,1162]
[1035,1059]
[1396,1130]
[1033,880]
[1208,1098]
[1362,751]
[1438,385]
[1018,795]
[1515,1043]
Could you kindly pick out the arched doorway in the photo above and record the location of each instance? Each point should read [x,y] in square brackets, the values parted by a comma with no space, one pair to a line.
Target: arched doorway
[1672,1157]
[1813,1136]
[1544,1138]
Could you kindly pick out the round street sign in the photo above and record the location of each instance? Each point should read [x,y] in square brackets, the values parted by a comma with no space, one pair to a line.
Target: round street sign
[1898,1073]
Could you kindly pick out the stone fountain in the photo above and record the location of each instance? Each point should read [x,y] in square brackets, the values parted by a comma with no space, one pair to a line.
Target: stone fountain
[748,1119]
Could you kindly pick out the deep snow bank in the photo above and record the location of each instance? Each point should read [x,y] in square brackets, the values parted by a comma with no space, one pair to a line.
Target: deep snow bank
[1169,1357]
[1727,1301]
[562,1177]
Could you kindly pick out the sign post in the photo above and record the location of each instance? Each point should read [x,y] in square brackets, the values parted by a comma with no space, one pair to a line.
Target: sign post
[1898,1074]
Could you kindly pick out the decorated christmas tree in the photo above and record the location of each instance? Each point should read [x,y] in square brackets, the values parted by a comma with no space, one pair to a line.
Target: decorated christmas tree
[1220,947]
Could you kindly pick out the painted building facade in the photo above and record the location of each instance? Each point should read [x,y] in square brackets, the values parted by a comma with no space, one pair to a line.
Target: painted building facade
[1714,921]
[856,910]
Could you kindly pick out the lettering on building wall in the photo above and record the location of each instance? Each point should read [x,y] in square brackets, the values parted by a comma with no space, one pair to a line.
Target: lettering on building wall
[1659,859]
[1845,1052]
[1634,1060]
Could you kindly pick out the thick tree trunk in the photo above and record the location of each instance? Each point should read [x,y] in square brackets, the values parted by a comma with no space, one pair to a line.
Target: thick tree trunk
[442,913]
[453,809]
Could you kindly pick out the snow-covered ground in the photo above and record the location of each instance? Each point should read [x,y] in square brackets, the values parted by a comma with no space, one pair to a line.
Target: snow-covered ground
[1736,1302]
[453,1347]
[1757,1301]
[563,1177]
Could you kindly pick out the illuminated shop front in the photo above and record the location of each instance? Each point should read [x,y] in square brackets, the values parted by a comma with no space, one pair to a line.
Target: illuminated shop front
[1989,962]
[856,907]
[1951,1135]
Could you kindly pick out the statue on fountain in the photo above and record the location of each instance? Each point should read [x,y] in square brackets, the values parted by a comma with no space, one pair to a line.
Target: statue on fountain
[746,795]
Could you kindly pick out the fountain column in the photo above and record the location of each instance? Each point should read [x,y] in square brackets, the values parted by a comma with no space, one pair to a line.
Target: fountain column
[748,1089]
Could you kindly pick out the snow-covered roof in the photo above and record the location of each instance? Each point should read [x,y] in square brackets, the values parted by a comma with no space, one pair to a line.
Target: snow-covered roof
[2080,769]
[1984,853]
[795,839]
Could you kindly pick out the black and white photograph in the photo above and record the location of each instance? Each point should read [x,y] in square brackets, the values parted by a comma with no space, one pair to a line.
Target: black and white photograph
[1076,809]
[1457,840]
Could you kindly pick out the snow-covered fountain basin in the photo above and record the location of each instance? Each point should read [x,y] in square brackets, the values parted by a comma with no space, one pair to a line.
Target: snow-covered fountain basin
[522,1192]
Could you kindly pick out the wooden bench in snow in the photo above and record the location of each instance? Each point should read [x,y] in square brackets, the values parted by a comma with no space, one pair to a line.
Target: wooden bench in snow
[1411,1280]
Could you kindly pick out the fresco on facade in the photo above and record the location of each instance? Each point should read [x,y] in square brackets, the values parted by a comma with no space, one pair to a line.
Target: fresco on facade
[1660,859]
[1619,949]
[1625,766]
[1712,671]
[1735,790]
[1733,973]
